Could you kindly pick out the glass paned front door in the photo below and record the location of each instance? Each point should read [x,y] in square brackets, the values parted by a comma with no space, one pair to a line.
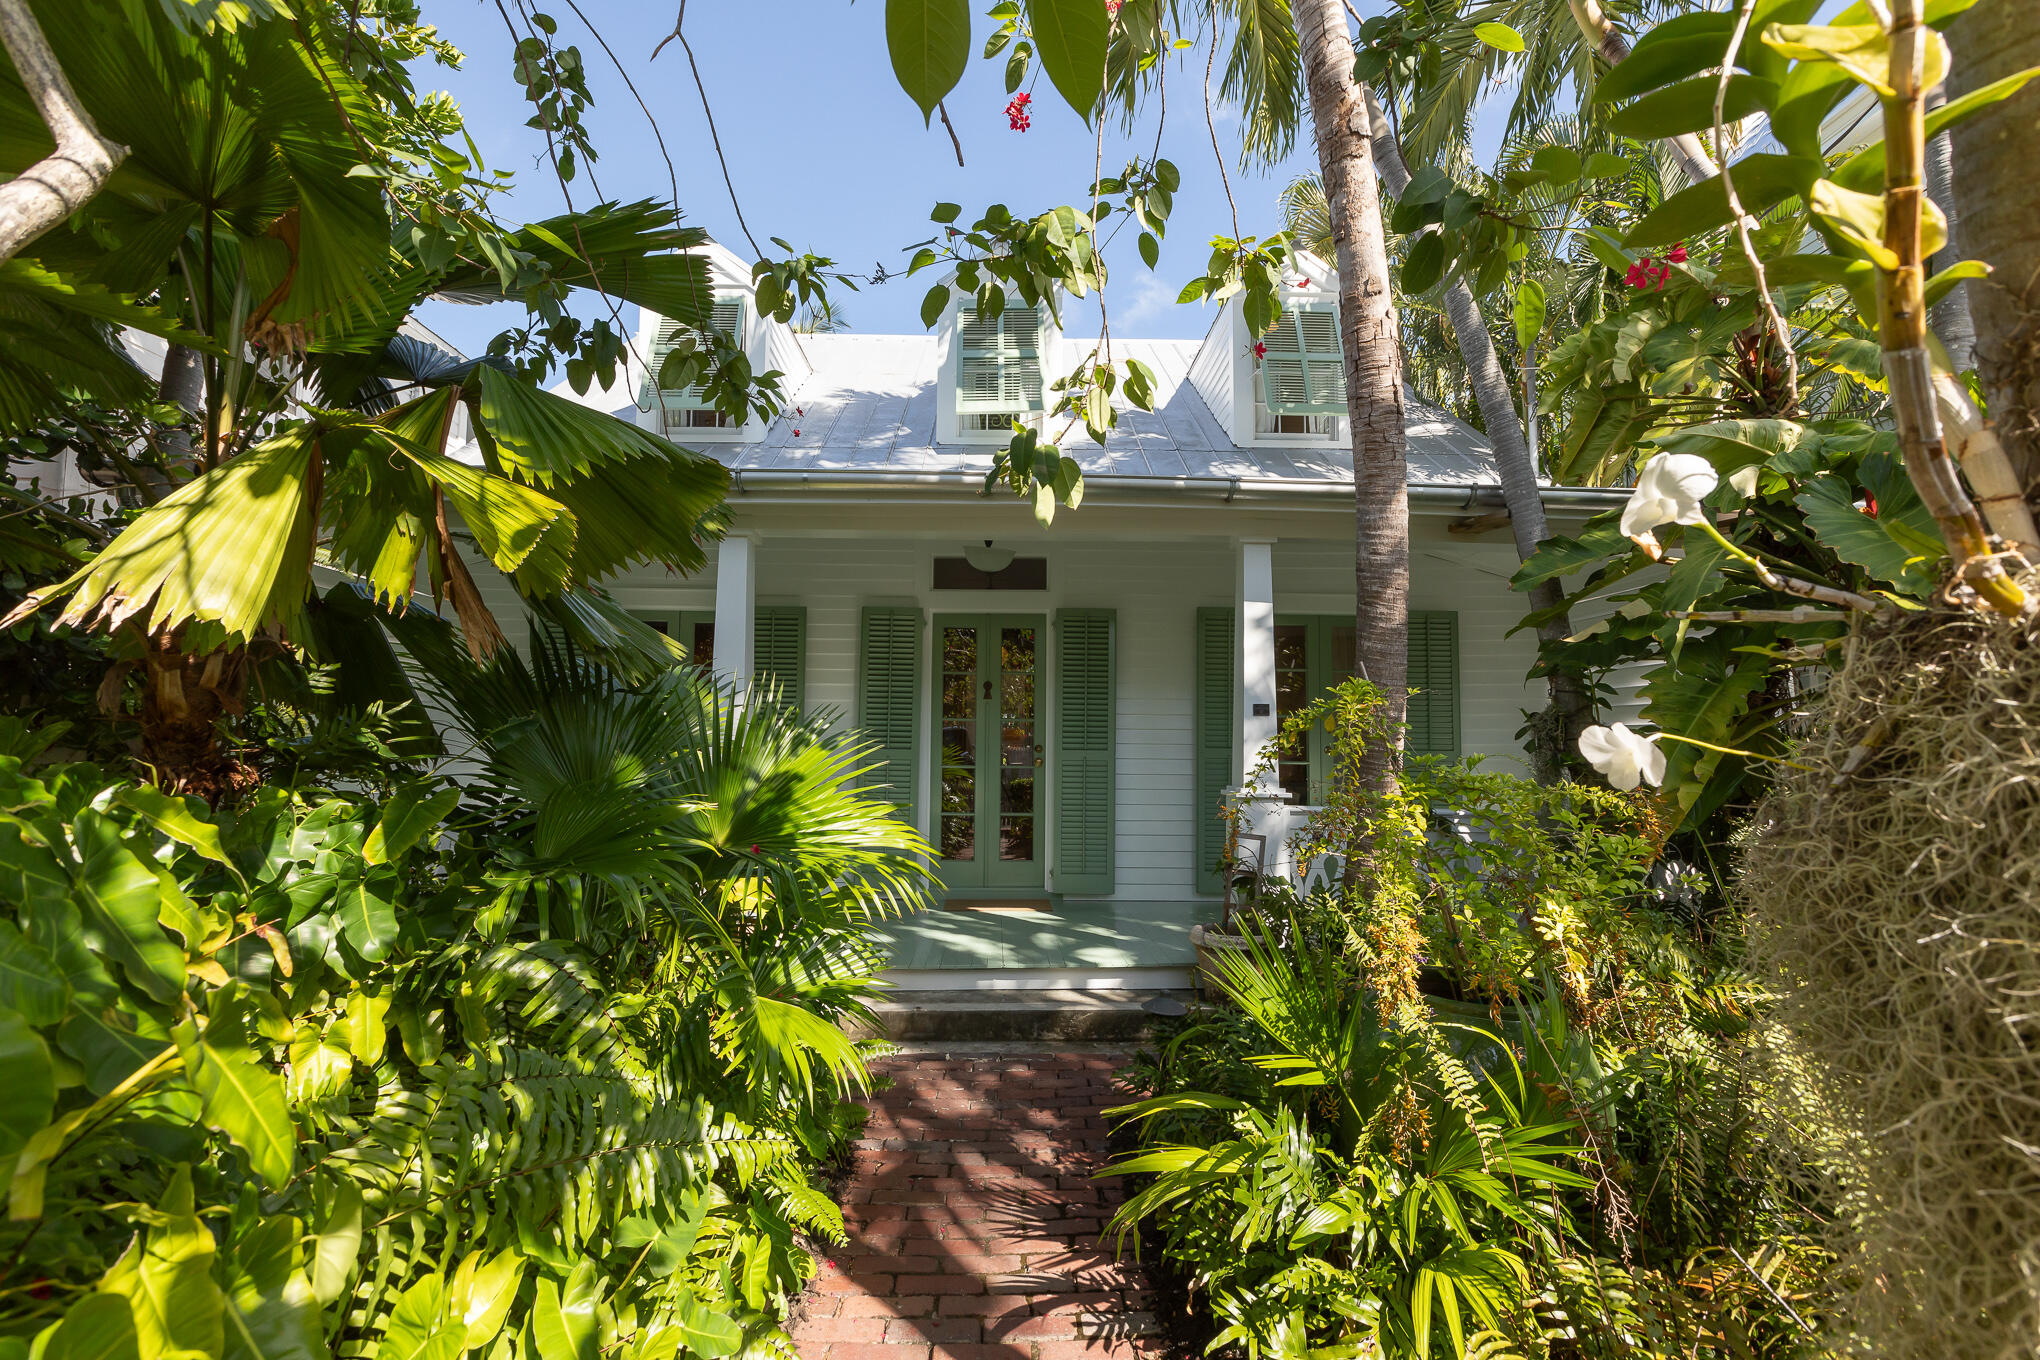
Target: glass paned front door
[991,754]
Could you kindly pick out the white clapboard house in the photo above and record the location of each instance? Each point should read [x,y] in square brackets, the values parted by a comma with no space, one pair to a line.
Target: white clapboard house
[1061,712]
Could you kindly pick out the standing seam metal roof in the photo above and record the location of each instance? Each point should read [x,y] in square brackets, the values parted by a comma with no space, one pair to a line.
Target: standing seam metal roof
[869,405]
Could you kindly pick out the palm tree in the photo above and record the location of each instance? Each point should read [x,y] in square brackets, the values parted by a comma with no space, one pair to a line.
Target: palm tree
[238,211]
[1374,390]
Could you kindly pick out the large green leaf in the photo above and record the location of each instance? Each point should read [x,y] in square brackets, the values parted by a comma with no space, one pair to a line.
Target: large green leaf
[634,251]
[565,1329]
[241,1097]
[708,1332]
[366,908]
[1731,444]
[1762,182]
[1864,171]
[28,1079]
[420,1327]
[929,41]
[410,812]
[96,1327]
[177,818]
[1689,107]
[1829,505]
[1561,556]
[166,1276]
[1681,46]
[231,548]
[30,982]
[1071,37]
[270,1313]
[123,898]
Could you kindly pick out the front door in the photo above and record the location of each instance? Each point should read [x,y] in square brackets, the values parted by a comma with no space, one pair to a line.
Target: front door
[988,742]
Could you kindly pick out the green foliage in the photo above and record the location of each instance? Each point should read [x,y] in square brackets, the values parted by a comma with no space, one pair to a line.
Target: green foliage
[537,1065]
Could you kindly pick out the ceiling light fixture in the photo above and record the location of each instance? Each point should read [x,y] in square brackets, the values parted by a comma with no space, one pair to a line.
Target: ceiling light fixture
[989,560]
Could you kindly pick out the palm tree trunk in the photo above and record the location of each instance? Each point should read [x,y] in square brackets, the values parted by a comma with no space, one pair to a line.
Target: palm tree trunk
[1999,198]
[1514,463]
[1368,334]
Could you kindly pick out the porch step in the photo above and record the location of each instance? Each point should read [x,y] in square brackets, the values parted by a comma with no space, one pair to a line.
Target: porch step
[979,1017]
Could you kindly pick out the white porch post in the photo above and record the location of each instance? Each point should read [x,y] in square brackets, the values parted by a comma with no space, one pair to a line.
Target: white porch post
[1256,613]
[736,608]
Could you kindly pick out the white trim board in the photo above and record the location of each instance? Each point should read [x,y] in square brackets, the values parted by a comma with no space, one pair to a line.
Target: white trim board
[1038,980]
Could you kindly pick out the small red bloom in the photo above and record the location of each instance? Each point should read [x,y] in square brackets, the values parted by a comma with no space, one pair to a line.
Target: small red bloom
[1260,350]
[1660,275]
[796,434]
[1677,254]
[1870,504]
[1112,6]
[1017,116]
[1639,274]
[1304,283]
[798,411]
[754,849]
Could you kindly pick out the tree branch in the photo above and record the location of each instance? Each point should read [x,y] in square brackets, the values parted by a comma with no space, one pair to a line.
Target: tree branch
[59,184]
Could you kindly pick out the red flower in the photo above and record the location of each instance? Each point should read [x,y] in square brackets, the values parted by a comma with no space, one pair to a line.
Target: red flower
[1677,254]
[1870,504]
[1260,350]
[1639,274]
[754,849]
[798,411]
[1305,283]
[1016,112]
[1112,6]
[1659,275]
[796,434]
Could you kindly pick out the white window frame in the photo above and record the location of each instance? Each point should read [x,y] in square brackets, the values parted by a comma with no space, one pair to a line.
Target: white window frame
[1254,418]
[957,412]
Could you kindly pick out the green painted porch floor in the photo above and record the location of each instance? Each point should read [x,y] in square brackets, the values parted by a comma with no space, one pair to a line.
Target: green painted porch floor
[1077,935]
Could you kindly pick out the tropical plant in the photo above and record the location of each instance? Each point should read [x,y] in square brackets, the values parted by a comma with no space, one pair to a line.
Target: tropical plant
[538,1065]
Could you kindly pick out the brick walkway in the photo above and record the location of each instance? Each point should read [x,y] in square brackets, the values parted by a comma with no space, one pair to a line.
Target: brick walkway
[974,1221]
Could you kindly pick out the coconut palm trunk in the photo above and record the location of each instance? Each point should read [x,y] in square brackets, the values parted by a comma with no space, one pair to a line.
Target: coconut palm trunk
[1515,464]
[1999,199]
[1368,334]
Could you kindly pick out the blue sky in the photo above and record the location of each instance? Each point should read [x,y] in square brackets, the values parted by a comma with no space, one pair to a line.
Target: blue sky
[828,152]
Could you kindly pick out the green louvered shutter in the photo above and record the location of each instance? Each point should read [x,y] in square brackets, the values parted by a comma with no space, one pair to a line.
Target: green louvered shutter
[998,362]
[1434,676]
[779,652]
[1083,766]
[888,700]
[1213,726]
[726,316]
[1304,371]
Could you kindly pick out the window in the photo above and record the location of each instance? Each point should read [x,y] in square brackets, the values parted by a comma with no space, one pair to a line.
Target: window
[998,368]
[1300,383]
[1315,652]
[687,408]
[1022,573]
[694,629]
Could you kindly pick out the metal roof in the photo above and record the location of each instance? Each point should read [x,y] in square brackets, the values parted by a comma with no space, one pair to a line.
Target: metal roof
[869,405]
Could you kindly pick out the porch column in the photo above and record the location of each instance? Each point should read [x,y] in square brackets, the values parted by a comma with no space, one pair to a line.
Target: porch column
[1256,614]
[736,608]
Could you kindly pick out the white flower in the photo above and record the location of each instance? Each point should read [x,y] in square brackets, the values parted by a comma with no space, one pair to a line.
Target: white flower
[1625,757]
[1668,491]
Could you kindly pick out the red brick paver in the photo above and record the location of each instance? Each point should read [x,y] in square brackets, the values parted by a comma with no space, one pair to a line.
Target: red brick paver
[975,1224]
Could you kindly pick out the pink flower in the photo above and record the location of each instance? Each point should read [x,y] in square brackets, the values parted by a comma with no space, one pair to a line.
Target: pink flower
[1016,112]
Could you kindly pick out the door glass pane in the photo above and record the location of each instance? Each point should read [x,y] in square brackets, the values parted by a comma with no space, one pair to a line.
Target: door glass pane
[701,644]
[1018,749]
[1292,695]
[1341,659]
[959,743]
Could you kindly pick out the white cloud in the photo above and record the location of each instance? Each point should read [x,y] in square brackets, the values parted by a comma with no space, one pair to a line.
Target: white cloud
[1144,300]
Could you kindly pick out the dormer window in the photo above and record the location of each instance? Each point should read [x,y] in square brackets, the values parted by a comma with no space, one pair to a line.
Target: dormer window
[998,375]
[1300,382]
[686,410]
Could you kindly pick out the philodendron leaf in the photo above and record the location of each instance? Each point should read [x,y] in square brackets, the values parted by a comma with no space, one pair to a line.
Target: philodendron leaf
[177,818]
[240,1096]
[30,981]
[98,1326]
[929,42]
[1830,509]
[28,1078]
[366,908]
[482,1293]
[706,1331]
[166,1276]
[410,812]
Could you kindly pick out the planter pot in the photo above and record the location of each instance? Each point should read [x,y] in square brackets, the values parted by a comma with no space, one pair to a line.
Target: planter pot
[1210,945]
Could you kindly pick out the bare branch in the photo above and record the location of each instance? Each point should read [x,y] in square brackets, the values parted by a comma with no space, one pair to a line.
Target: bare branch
[943,109]
[62,182]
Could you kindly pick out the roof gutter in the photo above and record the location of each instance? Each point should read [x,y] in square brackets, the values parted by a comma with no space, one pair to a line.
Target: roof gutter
[795,484]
